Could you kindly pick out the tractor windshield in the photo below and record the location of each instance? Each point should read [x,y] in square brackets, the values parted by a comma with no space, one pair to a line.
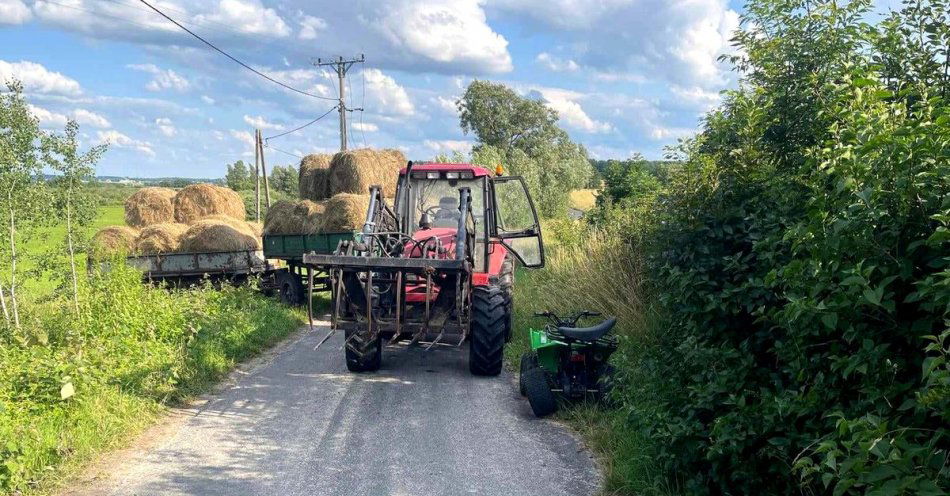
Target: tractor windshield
[439,199]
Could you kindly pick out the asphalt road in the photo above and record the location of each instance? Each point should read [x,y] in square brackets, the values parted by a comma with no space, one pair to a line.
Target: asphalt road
[299,423]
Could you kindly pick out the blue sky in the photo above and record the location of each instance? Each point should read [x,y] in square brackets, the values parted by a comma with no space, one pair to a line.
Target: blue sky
[625,76]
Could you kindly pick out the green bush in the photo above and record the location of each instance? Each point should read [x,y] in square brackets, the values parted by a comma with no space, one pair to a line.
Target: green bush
[71,386]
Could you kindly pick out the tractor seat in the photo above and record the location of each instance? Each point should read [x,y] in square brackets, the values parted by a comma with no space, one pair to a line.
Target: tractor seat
[588,333]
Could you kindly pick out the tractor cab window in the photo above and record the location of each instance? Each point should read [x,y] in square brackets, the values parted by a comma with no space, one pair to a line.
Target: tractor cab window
[437,199]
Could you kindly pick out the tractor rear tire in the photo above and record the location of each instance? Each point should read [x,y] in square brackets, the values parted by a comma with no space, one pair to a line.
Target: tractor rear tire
[540,397]
[529,360]
[290,289]
[489,319]
[363,355]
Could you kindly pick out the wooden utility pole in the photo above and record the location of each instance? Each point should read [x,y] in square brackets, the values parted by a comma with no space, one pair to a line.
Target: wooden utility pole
[341,66]
[260,146]
[257,174]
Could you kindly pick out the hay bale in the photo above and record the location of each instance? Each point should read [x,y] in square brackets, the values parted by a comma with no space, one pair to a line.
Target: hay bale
[300,217]
[113,241]
[149,206]
[210,235]
[257,229]
[160,238]
[238,224]
[198,201]
[314,177]
[345,212]
[356,170]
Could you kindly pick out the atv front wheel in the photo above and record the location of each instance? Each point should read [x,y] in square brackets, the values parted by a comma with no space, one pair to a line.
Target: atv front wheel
[529,360]
[487,343]
[362,354]
[540,397]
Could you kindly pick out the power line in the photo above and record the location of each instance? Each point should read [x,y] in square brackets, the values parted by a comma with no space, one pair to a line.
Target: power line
[294,130]
[226,54]
[282,151]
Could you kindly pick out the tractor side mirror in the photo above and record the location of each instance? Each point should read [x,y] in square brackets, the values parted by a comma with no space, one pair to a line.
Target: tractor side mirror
[516,220]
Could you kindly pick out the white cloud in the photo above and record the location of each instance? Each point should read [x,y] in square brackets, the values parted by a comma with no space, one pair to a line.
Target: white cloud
[661,133]
[120,140]
[385,96]
[261,123]
[37,78]
[569,111]
[310,26]
[90,118]
[678,41]
[248,17]
[14,12]
[440,146]
[697,97]
[164,79]
[166,127]
[450,32]
[556,64]
[447,104]
[246,138]
[207,99]
[48,119]
[365,126]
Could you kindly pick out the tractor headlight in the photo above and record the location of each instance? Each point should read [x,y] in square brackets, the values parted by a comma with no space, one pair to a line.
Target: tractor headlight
[451,175]
[432,175]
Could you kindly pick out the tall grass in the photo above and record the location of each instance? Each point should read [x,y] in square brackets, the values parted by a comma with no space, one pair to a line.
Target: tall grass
[73,385]
[596,272]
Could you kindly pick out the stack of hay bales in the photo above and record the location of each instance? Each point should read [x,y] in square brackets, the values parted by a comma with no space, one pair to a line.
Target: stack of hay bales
[334,191]
[198,218]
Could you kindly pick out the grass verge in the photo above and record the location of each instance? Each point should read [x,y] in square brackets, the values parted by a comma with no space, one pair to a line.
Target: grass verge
[589,278]
[75,384]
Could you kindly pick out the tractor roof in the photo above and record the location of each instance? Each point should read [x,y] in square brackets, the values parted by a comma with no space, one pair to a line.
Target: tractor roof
[478,170]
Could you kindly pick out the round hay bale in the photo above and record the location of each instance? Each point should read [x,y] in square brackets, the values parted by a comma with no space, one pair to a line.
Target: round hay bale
[149,206]
[160,238]
[209,235]
[240,225]
[345,212]
[257,229]
[301,217]
[314,177]
[280,218]
[198,201]
[356,170]
[113,241]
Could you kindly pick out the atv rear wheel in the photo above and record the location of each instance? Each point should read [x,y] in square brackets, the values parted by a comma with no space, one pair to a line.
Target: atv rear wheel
[529,360]
[489,317]
[363,355]
[540,397]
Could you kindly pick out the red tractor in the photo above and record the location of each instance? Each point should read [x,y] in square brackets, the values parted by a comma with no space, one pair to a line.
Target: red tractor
[437,267]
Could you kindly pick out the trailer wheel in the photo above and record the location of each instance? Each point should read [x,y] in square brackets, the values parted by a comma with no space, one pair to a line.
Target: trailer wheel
[290,289]
[363,355]
[489,320]
[540,397]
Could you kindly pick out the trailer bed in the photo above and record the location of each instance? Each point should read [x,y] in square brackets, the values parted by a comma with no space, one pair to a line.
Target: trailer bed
[177,265]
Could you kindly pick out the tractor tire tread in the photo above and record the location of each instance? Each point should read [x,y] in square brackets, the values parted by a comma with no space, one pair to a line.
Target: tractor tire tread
[489,328]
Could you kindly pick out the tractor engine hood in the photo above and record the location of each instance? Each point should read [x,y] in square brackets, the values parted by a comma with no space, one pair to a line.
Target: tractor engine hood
[444,234]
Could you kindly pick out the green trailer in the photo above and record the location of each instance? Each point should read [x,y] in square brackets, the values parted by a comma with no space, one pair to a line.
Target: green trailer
[290,282]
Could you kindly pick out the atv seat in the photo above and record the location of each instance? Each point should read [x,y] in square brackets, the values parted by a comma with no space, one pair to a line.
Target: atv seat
[588,333]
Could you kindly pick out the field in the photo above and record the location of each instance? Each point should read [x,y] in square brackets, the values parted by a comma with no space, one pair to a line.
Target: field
[584,199]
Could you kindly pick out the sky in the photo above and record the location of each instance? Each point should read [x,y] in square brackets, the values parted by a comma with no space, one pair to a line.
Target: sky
[625,76]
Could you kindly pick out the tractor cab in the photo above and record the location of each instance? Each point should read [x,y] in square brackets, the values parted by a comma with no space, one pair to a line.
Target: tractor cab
[502,215]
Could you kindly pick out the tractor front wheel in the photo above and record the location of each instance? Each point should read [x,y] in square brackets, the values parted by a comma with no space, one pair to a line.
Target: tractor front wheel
[363,354]
[489,319]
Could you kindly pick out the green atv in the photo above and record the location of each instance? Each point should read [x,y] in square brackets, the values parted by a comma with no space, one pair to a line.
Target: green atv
[567,361]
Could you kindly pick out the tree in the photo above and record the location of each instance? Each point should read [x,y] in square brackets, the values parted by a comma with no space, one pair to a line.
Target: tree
[239,176]
[522,135]
[285,179]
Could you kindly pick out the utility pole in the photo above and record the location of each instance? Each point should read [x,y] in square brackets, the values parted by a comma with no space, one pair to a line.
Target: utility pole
[341,66]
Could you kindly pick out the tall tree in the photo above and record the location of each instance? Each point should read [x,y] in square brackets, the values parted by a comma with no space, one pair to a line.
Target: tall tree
[522,134]
[285,179]
[238,176]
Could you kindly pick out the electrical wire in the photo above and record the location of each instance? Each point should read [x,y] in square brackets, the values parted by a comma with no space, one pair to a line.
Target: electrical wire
[363,106]
[282,151]
[226,54]
[294,130]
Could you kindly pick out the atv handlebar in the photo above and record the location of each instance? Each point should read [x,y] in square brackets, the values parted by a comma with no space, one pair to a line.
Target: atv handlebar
[570,321]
